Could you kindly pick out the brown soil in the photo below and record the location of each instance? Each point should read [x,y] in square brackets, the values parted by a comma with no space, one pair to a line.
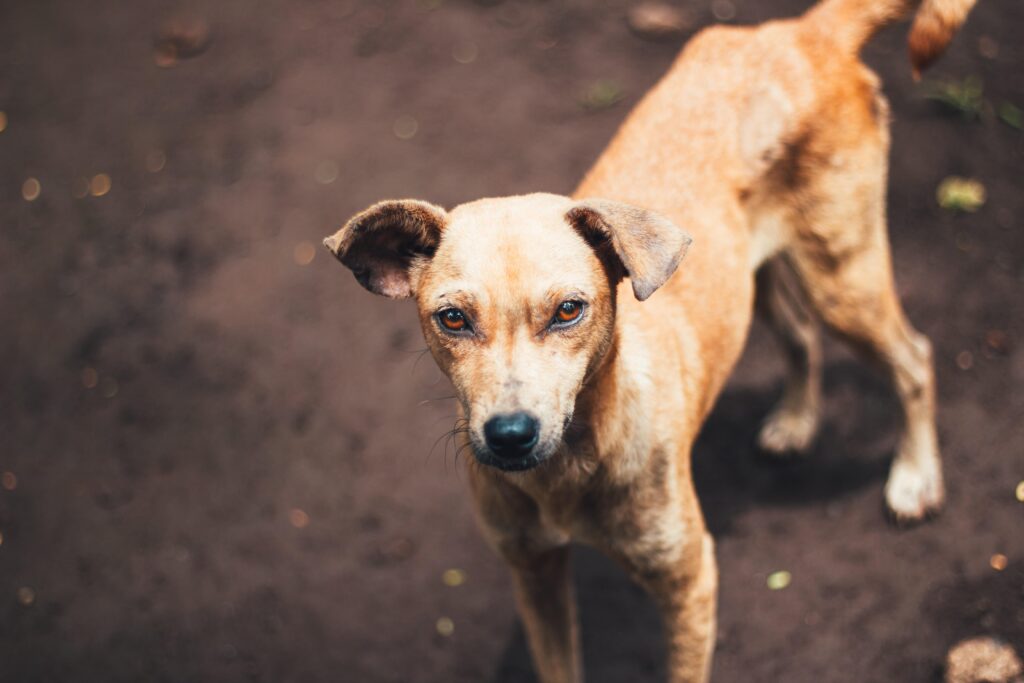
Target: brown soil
[249,490]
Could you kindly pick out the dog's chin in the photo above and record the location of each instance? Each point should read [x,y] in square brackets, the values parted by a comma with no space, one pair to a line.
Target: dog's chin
[538,456]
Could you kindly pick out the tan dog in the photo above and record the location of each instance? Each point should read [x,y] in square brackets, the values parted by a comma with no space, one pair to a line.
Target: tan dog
[766,146]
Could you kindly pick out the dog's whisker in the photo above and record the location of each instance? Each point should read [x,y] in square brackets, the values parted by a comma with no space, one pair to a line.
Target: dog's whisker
[427,401]
[422,352]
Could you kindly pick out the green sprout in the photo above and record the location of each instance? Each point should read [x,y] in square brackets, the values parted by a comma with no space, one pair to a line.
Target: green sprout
[965,97]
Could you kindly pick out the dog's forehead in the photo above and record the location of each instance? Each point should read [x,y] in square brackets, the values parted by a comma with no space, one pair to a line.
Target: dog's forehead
[524,239]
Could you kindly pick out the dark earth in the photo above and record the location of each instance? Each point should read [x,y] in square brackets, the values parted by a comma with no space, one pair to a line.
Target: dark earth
[220,453]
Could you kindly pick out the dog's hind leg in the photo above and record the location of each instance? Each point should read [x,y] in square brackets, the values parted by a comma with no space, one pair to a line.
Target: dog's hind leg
[859,302]
[841,252]
[792,424]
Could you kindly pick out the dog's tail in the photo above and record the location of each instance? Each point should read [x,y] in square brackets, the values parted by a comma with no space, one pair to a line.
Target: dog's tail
[853,22]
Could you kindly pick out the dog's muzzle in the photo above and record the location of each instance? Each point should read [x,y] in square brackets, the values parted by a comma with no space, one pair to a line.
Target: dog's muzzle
[510,439]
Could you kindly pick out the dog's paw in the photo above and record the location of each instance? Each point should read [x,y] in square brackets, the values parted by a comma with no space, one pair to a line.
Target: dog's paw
[914,491]
[787,431]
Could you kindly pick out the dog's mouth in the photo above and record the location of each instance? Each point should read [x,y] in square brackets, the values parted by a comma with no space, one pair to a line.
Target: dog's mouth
[523,463]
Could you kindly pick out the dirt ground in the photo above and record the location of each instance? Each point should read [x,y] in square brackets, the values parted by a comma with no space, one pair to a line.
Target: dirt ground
[219,452]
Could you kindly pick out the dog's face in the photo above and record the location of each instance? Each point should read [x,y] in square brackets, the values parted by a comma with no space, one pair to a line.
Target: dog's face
[516,299]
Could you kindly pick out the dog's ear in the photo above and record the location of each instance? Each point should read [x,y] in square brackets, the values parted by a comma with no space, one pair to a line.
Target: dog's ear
[649,247]
[381,244]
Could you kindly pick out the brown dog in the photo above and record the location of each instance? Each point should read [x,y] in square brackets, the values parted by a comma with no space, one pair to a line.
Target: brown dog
[768,146]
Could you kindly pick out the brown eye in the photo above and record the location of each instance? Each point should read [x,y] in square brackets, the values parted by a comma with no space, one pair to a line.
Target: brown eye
[568,312]
[453,319]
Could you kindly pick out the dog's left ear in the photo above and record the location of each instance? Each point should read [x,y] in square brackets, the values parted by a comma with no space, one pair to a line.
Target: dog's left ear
[381,244]
[648,246]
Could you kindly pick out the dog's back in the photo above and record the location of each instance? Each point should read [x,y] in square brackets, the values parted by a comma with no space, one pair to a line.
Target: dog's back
[770,145]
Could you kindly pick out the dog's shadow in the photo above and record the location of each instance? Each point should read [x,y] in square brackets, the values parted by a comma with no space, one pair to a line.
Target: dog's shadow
[620,627]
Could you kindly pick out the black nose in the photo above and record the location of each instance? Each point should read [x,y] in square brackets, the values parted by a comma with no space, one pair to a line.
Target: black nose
[512,435]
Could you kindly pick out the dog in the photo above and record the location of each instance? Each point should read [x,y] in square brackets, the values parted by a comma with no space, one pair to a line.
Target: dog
[765,148]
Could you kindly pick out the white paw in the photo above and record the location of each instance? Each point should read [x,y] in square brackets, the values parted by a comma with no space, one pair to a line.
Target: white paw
[914,490]
[787,431]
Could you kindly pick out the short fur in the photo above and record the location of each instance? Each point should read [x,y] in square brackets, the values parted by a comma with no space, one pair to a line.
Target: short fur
[767,147]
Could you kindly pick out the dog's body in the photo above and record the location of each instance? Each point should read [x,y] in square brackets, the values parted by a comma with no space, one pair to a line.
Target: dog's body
[769,146]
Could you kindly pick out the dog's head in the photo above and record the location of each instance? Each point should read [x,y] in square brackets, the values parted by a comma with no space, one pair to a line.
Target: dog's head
[516,299]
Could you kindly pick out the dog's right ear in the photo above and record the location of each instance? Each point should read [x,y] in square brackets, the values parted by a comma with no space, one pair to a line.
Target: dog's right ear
[648,247]
[381,244]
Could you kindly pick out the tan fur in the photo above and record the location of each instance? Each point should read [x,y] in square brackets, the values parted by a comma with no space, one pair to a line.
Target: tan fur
[767,148]
[854,21]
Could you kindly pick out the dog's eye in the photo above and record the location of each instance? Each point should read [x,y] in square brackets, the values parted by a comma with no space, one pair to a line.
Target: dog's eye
[453,319]
[567,313]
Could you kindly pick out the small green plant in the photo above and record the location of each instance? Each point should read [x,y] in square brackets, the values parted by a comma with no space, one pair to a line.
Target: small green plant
[965,97]
[961,194]
[601,95]
[1011,115]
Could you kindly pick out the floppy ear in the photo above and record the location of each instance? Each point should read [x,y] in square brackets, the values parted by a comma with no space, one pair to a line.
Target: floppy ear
[648,246]
[381,243]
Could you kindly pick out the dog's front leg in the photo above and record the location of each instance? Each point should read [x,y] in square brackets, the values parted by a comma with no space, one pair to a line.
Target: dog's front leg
[548,609]
[690,607]
[684,583]
[539,559]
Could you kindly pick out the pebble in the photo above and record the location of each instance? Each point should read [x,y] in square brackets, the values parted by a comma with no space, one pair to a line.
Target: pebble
[31,189]
[181,38]
[658,21]
[99,185]
[779,580]
[26,596]
[298,518]
[405,127]
[445,626]
[453,577]
[998,562]
[982,660]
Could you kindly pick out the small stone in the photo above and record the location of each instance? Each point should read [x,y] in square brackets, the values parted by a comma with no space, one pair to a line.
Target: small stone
[181,38]
[998,341]
[1020,492]
[326,172]
[998,562]
[779,580]
[465,52]
[445,626]
[965,360]
[99,185]
[155,161]
[723,10]
[26,596]
[395,550]
[982,660]
[453,577]
[298,518]
[304,253]
[3,121]
[405,127]
[90,378]
[988,47]
[658,21]
[31,189]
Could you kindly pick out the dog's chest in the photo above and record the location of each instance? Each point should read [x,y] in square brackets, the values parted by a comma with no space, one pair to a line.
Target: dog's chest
[613,512]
